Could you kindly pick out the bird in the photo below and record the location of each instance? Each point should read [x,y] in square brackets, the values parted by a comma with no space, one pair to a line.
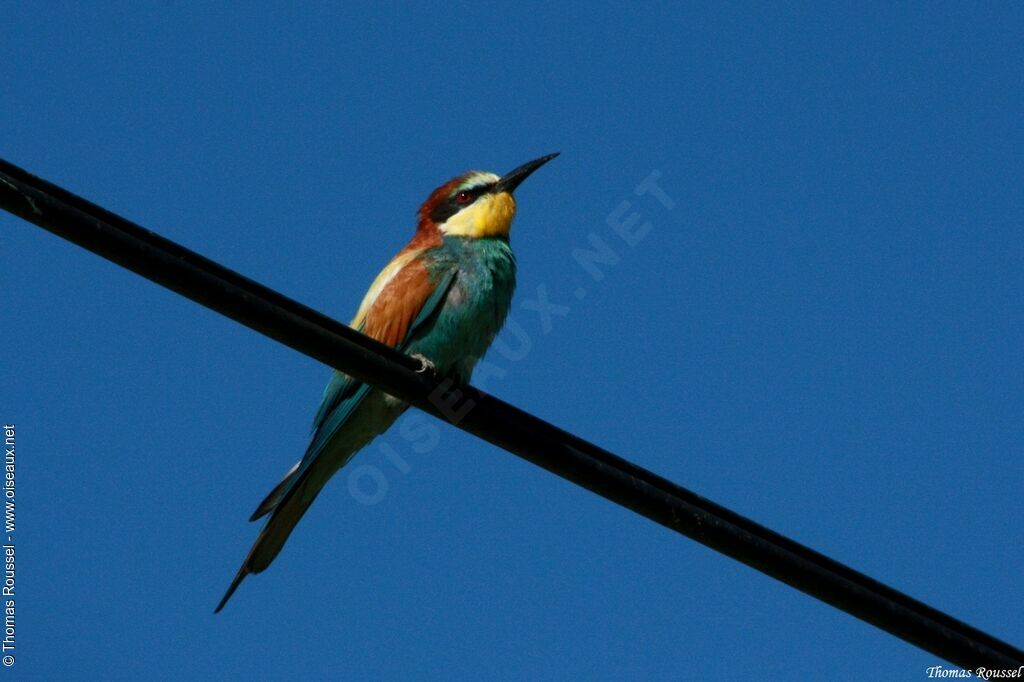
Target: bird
[442,299]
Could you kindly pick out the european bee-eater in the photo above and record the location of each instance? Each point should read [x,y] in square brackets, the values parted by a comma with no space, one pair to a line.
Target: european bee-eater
[442,299]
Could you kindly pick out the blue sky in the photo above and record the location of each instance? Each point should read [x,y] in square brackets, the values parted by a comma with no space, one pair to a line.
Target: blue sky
[823,333]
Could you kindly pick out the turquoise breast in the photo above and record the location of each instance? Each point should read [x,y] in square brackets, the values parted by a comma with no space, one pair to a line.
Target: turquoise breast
[475,307]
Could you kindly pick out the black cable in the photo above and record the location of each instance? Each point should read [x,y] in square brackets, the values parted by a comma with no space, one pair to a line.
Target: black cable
[493,420]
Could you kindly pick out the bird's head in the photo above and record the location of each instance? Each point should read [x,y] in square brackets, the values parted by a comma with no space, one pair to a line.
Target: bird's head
[476,204]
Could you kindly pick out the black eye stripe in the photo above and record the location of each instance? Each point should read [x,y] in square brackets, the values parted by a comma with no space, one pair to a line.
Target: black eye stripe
[443,211]
[449,207]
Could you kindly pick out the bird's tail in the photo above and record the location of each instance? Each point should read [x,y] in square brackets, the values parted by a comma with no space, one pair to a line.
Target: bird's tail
[289,505]
[275,495]
[290,498]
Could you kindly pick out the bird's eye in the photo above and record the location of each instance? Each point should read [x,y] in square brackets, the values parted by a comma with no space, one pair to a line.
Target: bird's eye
[464,197]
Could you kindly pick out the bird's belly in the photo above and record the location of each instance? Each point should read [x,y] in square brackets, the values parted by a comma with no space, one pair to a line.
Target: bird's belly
[467,323]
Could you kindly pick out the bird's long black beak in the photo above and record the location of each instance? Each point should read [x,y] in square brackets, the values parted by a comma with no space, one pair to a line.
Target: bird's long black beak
[509,181]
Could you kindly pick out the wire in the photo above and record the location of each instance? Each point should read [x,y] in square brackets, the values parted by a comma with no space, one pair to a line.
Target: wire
[537,441]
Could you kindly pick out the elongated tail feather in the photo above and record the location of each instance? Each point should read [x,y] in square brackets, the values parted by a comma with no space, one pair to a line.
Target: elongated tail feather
[274,496]
[271,539]
[365,416]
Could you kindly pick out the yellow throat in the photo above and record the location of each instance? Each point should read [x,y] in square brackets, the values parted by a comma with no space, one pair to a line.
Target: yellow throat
[489,216]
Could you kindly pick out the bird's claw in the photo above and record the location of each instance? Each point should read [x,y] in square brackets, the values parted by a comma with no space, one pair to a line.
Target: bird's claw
[425,364]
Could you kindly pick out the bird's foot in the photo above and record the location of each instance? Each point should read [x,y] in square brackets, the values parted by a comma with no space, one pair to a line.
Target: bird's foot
[425,364]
